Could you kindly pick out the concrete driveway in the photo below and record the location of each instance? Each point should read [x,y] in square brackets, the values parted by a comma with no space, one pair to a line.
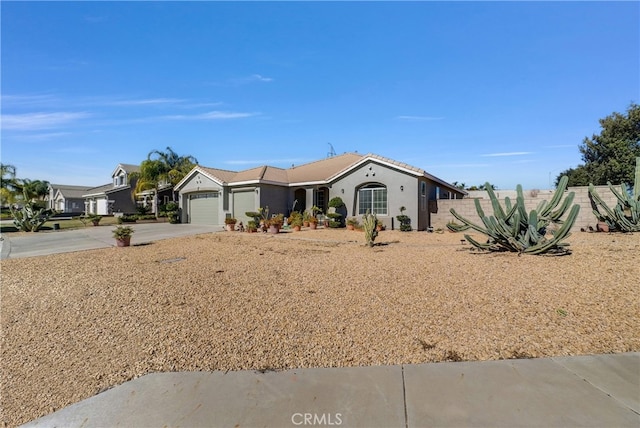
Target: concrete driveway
[16,245]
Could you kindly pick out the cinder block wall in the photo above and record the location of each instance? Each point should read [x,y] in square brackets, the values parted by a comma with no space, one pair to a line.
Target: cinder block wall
[467,208]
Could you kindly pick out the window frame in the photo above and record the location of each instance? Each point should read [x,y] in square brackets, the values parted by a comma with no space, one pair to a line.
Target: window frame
[371,201]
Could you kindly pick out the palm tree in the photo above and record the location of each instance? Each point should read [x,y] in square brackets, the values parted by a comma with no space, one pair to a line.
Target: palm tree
[176,167]
[34,189]
[162,168]
[8,184]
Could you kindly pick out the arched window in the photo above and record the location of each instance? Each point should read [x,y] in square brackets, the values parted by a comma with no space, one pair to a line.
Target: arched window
[372,197]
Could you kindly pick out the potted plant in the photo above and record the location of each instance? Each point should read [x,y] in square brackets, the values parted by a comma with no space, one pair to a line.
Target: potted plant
[275,223]
[123,235]
[230,223]
[352,223]
[313,222]
[252,226]
[379,225]
[295,220]
[305,218]
[338,212]
[405,221]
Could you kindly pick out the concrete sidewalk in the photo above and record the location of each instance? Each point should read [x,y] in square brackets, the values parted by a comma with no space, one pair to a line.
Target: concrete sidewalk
[90,238]
[585,391]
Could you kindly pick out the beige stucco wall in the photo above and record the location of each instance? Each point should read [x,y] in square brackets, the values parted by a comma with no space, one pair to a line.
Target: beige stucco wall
[466,207]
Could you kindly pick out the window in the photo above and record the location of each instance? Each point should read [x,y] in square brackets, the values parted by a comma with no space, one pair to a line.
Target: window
[119,180]
[374,199]
[321,199]
[423,196]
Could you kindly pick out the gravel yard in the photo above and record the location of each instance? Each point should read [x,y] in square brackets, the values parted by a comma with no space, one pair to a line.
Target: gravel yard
[76,324]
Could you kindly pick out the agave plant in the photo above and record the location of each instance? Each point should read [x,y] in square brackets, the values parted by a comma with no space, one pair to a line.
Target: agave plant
[512,228]
[31,217]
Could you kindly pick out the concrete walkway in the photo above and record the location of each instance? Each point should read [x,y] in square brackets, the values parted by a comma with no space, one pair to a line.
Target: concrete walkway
[90,238]
[585,391]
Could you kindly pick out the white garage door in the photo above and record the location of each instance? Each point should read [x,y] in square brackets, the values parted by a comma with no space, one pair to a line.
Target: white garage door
[243,202]
[203,208]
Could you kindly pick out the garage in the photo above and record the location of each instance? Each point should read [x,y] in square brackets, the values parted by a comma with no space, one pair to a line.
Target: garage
[203,208]
[242,202]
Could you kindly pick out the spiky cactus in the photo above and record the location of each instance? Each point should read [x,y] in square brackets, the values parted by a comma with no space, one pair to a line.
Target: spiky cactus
[625,217]
[369,223]
[511,228]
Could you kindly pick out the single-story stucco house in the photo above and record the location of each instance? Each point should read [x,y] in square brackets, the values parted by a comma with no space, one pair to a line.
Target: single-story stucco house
[66,199]
[363,182]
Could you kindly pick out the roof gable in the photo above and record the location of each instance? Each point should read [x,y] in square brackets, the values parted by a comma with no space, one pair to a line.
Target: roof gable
[126,168]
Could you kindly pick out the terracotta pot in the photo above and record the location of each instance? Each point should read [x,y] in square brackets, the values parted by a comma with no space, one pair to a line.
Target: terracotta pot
[274,229]
[602,227]
[296,228]
[123,242]
[305,223]
[350,227]
[313,225]
[231,227]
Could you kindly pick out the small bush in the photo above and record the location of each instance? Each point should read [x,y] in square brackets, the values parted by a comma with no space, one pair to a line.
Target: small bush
[127,218]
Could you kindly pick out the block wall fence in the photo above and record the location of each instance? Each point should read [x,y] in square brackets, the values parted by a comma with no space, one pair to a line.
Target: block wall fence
[466,207]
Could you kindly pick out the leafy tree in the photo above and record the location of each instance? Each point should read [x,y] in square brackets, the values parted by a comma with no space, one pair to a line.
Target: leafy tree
[482,187]
[34,189]
[8,184]
[610,155]
[162,168]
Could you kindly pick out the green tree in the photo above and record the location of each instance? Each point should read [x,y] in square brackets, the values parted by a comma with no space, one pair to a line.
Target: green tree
[34,189]
[8,184]
[610,155]
[161,168]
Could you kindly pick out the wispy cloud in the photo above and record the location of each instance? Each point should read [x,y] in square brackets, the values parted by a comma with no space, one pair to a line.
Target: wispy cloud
[260,78]
[419,118]
[491,155]
[244,80]
[42,136]
[27,100]
[212,115]
[149,101]
[33,121]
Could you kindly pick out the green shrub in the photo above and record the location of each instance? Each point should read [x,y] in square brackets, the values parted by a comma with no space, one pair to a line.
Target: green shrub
[336,202]
[127,218]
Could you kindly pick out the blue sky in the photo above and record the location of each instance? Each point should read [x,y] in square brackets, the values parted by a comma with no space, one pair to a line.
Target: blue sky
[472,92]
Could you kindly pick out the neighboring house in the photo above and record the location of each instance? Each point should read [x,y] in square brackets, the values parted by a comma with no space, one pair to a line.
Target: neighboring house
[114,197]
[66,198]
[165,195]
[363,182]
